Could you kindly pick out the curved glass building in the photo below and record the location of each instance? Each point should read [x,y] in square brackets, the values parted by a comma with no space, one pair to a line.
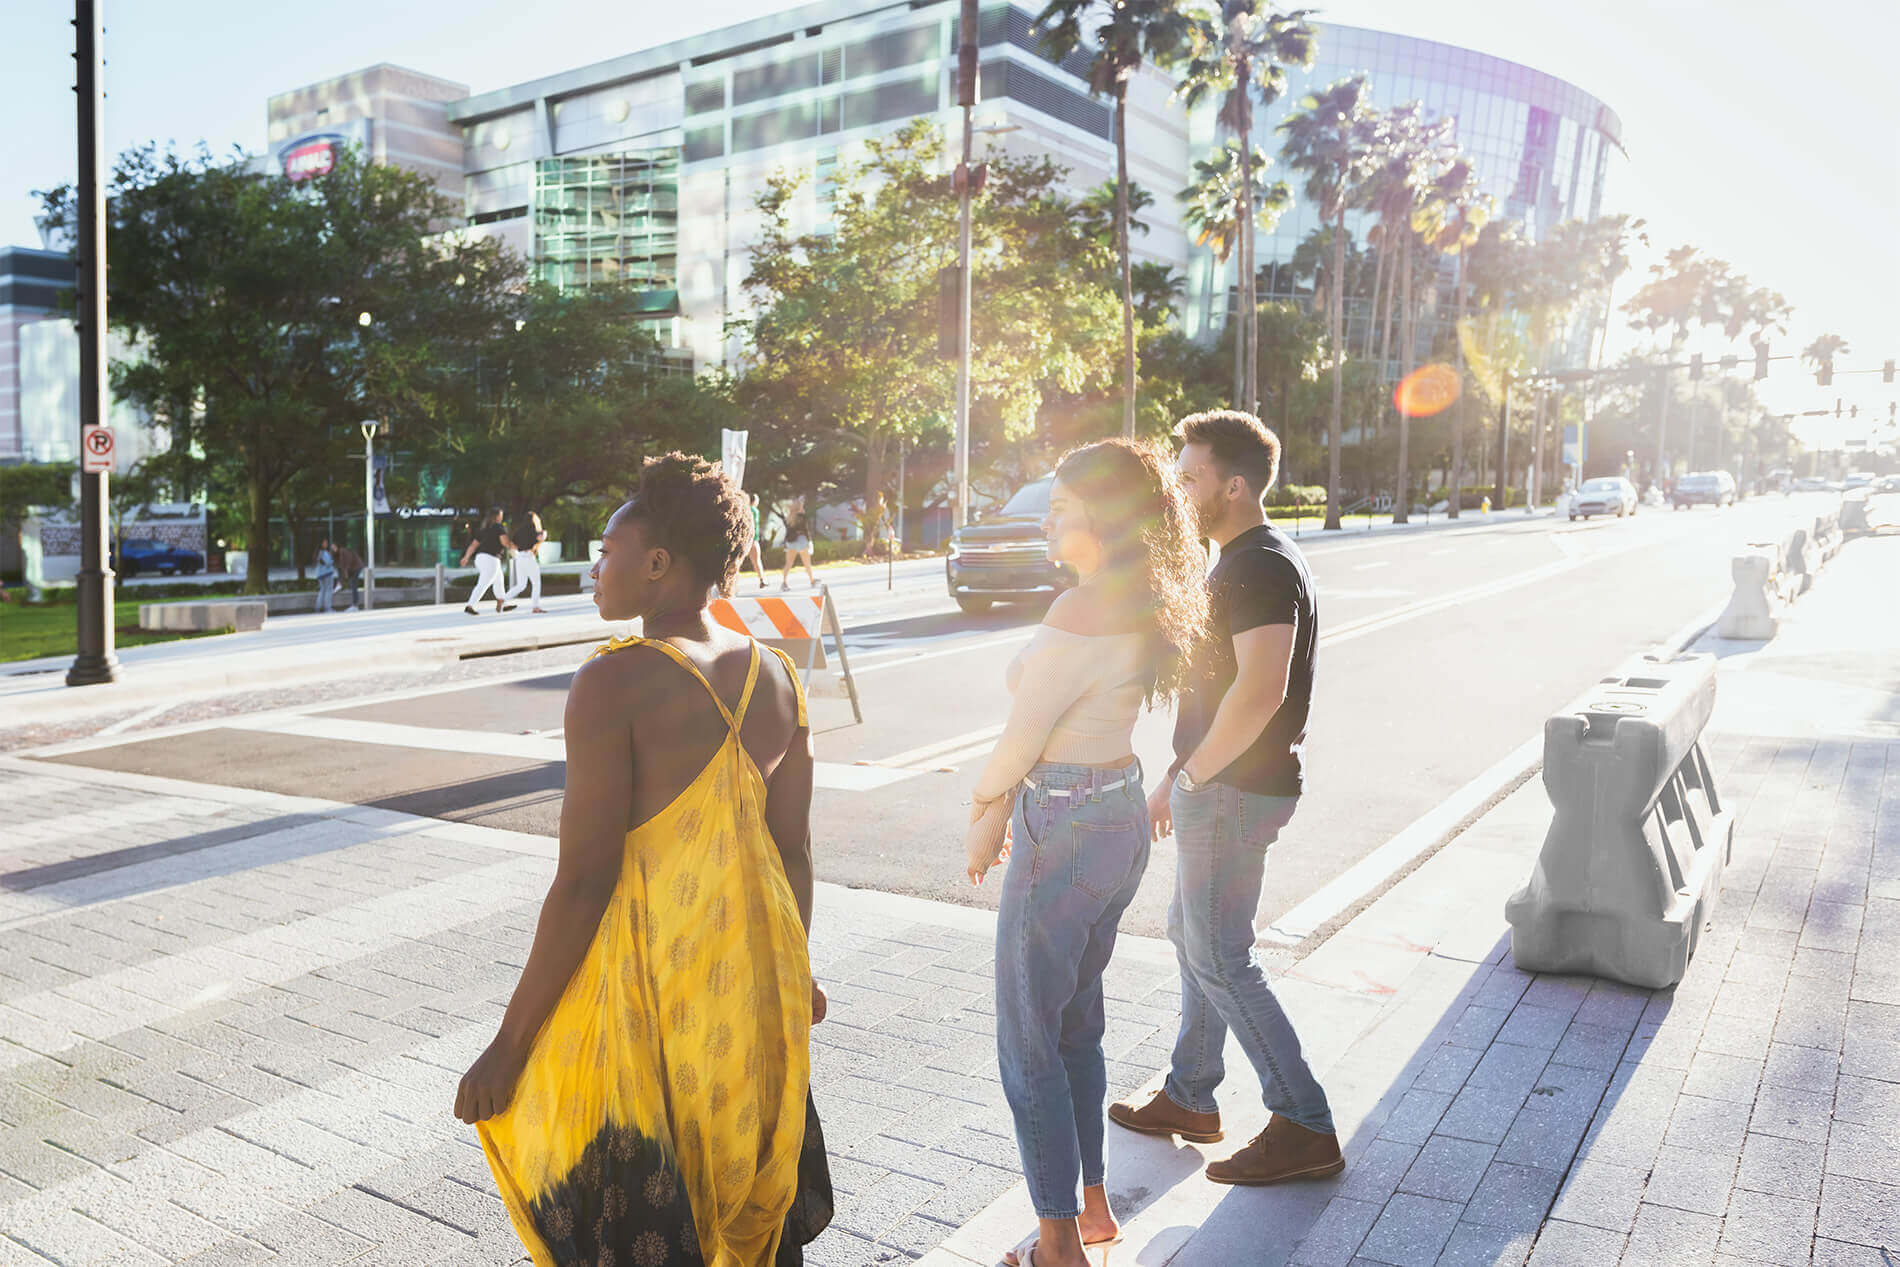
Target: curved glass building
[1542,147]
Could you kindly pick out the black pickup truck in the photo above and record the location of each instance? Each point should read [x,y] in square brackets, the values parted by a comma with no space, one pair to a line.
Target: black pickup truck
[1004,558]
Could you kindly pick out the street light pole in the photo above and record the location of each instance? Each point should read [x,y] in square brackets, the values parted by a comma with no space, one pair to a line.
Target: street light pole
[96,661]
[369,427]
[967,36]
[1504,441]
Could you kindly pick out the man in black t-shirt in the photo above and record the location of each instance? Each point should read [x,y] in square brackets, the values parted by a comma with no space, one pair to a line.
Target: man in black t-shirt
[1235,782]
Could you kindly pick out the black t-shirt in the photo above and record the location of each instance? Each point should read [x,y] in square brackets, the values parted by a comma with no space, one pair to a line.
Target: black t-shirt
[523,535]
[488,539]
[1261,579]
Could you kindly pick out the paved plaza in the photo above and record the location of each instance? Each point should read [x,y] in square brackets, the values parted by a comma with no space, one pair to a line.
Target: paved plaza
[231,1024]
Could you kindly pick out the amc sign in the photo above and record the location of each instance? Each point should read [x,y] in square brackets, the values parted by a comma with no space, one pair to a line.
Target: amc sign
[311,156]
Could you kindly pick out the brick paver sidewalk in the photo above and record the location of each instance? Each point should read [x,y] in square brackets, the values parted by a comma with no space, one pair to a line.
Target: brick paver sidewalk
[231,1025]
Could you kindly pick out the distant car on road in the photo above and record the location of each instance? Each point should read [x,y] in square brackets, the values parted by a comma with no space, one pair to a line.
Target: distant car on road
[142,554]
[1705,488]
[1005,558]
[1859,479]
[1813,484]
[1606,495]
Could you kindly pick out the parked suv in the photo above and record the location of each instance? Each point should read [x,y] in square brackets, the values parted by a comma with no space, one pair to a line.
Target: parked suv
[1005,558]
[142,554]
[1711,488]
[1607,495]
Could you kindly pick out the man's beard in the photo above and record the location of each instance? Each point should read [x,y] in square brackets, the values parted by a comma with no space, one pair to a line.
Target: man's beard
[1206,515]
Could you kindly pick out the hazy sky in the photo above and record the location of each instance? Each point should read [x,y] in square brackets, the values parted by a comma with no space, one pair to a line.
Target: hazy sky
[1766,133]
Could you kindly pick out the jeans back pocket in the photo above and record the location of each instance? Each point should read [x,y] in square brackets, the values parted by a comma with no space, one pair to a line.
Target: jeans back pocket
[1103,856]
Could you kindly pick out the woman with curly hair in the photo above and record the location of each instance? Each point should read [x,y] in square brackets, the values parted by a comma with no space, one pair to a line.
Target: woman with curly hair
[646,1100]
[1064,788]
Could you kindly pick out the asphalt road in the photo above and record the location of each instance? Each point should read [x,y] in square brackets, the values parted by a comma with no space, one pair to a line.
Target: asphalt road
[1441,652]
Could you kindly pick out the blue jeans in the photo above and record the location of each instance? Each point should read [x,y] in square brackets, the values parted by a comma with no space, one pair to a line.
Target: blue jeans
[1074,866]
[1222,835]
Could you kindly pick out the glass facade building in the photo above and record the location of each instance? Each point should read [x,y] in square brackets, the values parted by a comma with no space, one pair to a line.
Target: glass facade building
[645,166]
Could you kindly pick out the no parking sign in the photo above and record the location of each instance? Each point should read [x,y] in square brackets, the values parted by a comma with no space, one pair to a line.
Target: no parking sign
[96,450]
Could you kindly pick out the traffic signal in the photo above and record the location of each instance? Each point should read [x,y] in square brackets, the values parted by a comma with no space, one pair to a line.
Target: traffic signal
[1886,372]
[1761,360]
[1695,368]
[1825,375]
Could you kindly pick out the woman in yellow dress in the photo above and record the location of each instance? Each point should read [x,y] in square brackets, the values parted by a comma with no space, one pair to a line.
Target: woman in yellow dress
[646,1101]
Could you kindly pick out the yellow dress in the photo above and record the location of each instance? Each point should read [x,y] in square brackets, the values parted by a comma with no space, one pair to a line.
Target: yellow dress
[661,1112]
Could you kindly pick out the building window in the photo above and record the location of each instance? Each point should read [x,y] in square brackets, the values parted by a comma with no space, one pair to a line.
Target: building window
[775,79]
[706,96]
[610,218]
[794,121]
[892,50]
[1046,96]
[706,142]
[897,100]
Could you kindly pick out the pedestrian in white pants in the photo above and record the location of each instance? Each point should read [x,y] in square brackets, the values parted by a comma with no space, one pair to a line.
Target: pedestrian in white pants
[527,538]
[487,547]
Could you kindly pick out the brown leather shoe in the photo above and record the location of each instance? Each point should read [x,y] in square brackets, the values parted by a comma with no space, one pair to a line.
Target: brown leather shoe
[1162,1116]
[1285,1150]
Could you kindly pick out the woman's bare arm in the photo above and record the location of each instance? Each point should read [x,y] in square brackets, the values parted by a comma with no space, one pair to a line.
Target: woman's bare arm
[594,822]
[788,818]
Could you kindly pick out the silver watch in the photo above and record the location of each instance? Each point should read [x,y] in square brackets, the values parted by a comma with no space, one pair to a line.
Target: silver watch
[1186,783]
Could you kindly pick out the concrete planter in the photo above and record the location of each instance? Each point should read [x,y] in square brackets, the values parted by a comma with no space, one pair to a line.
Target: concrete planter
[227,613]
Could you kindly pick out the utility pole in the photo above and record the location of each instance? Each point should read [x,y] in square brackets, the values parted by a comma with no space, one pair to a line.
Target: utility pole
[967,36]
[1504,442]
[96,661]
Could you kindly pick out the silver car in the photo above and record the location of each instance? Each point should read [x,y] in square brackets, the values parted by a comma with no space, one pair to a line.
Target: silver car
[1606,495]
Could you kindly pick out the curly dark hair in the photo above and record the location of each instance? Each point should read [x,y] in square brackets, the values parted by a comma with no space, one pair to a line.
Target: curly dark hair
[689,506]
[1152,553]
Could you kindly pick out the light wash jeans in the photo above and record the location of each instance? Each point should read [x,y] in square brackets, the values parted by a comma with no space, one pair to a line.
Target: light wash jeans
[326,592]
[1221,838]
[1074,866]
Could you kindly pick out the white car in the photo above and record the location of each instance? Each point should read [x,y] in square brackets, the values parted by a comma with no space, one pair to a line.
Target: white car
[1606,495]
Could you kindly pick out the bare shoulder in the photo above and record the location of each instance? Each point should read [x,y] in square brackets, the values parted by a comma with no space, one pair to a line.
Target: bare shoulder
[1085,611]
[608,688]
[1078,611]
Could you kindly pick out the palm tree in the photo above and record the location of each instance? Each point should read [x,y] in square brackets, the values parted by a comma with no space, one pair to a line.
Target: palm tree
[1131,31]
[1326,139]
[1427,156]
[1215,207]
[1243,60]
[1822,351]
[1450,219]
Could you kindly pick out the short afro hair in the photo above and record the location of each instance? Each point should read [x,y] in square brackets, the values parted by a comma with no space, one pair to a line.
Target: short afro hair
[1240,443]
[691,508]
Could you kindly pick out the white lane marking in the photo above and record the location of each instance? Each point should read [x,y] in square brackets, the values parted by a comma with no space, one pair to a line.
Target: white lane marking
[1366,875]
[933,753]
[1367,567]
[898,658]
[1436,553]
[828,774]
[1425,607]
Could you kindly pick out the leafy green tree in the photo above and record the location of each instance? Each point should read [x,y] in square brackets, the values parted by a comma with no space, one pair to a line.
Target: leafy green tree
[32,484]
[1216,205]
[843,337]
[1326,140]
[246,296]
[1129,33]
[1242,59]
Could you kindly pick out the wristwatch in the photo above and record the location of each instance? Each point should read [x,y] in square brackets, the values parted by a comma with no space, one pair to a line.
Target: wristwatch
[1186,783]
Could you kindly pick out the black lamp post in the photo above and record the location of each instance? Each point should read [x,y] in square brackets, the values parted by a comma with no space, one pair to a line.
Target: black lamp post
[96,661]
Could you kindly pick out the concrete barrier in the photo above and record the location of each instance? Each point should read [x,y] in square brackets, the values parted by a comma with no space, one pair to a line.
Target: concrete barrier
[223,613]
[1632,865]
[1750,613]
[1826,535]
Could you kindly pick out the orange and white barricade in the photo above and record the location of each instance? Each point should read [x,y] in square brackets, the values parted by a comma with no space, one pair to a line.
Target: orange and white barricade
[797,626]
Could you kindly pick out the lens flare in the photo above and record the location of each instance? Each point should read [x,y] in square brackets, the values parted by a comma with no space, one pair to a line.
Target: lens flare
[1427,390]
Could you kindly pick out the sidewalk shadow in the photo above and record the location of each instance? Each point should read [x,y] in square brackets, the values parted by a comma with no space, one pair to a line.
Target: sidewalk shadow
[33,879]
[1520,1120]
